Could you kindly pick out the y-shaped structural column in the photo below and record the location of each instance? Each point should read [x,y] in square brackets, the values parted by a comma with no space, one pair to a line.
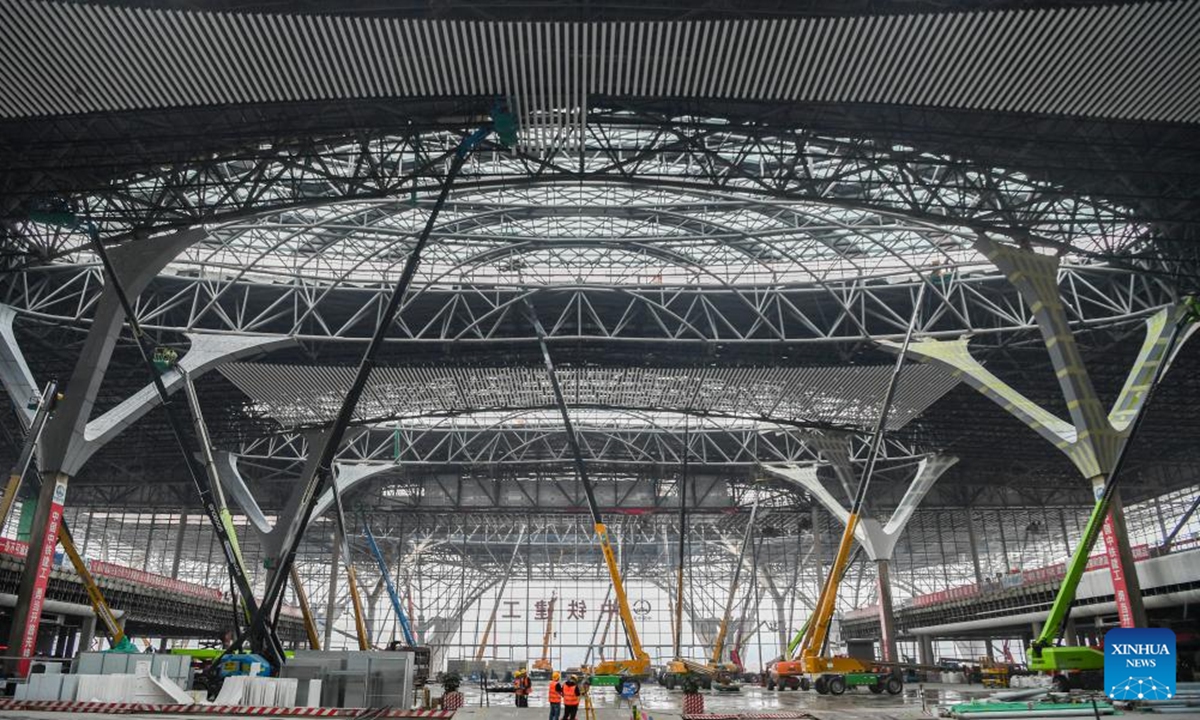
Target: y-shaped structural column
[205,353]
[64,439]
[345,475]
[878,540]
[1093,437]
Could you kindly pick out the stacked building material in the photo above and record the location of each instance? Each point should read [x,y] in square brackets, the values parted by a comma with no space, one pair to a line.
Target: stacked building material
[998,710]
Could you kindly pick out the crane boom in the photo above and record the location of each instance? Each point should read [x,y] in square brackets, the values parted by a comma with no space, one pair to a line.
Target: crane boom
[397,606]
[813,642]
[719,645]
[640,664]
[543,662]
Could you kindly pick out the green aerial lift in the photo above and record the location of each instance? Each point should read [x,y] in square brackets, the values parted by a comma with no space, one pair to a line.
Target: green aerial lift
[1074,666]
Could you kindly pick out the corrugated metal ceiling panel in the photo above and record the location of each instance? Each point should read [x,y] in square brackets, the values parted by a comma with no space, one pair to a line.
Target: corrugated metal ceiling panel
[1134,61]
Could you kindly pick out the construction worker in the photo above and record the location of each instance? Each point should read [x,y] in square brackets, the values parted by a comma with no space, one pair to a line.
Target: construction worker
[521,687]
[571,692]
[555,694]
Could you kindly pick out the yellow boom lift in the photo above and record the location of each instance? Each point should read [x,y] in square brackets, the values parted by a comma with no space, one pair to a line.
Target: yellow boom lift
[543,667]
[625,675]
[714,671]
[813,668]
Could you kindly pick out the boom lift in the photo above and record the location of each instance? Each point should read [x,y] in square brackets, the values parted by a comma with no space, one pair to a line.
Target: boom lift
[714,671]
[833,675]
[421,655]
[1086,663]
[626,675]
[542,667]
[799,636]
[261,632]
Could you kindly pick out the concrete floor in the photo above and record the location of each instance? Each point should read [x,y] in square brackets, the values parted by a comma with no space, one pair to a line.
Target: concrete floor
[916,703]
[756,699]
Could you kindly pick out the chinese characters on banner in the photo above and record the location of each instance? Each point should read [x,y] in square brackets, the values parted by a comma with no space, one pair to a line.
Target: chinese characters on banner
[575,609]
[1117,570]
[42,579]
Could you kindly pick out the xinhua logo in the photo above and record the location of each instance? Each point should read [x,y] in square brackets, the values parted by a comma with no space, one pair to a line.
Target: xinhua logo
[1139,664]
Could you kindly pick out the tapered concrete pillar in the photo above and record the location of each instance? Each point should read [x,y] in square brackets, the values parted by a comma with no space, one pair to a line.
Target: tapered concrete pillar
[87,633]
[887,615]
[974,547]
[70,437]
[925,650]
[64,440]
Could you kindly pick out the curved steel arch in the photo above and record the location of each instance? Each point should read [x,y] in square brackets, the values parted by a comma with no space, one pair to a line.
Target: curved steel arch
[719,155]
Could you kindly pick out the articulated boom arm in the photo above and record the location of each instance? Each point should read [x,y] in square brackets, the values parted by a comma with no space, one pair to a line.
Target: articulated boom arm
[814,635]
[406,628]
[641,659]
[610,559]
[818,625]
[799,637]
[1070,583]
[549,630]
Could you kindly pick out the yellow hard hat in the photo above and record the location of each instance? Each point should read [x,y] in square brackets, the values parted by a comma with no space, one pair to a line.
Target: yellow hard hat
[556,675]
[521,671]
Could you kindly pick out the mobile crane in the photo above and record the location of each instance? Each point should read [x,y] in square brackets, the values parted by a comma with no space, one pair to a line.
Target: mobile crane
[1083,666]
[812,668]
[543,668]
[421,654]
[625,675]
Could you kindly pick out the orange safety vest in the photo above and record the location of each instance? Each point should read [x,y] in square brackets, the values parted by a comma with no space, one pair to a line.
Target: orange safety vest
[522,685]
[570,695]
[555,693]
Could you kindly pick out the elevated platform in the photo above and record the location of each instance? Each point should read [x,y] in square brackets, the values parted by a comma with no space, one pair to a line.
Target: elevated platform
[1018,600]
[151,604]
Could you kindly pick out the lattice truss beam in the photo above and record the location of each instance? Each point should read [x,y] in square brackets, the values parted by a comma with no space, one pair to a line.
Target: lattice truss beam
[678,314]
[660,228]
[454,398]
[710,445]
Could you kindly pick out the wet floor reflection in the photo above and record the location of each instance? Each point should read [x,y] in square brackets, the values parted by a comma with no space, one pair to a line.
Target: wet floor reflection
[914,701]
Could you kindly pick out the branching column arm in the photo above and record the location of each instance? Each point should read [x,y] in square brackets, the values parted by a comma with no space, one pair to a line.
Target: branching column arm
[955,356]
[1154,346]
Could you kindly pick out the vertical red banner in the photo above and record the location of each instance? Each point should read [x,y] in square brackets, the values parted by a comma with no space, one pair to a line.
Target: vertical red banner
[49,541]
[1117,570]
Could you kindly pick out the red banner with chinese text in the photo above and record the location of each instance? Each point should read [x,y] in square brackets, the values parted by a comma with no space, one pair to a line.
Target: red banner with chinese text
[42,579]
